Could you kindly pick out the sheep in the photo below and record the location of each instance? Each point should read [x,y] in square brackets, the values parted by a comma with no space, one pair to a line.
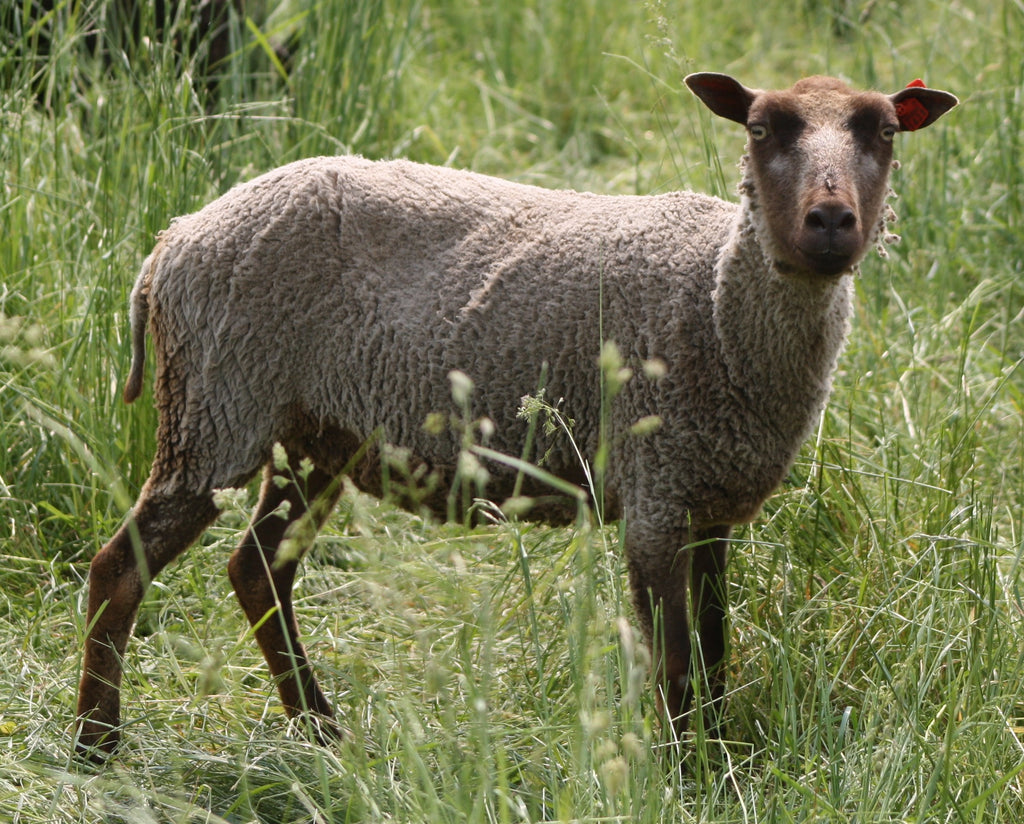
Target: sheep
[321,307]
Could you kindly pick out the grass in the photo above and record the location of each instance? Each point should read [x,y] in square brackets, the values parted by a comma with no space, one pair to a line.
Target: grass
[492,674]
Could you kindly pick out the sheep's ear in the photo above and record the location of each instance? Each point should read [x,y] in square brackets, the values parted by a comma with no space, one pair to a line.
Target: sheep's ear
[918,106]
[724,95]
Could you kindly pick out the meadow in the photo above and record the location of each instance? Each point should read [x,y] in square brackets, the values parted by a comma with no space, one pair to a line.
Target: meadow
[493,674]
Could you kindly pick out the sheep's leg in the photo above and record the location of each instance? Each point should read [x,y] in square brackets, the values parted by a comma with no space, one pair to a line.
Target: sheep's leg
[263,584]
[710,605]
[162,525]
[671,588]
[664,617]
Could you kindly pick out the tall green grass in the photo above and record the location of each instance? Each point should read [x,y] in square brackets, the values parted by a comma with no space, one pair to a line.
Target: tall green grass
[492,674]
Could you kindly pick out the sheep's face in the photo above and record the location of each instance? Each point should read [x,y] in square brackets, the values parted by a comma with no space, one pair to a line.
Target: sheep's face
[818,161]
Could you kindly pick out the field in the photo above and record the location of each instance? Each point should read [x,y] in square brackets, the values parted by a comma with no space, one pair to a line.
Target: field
[492,674]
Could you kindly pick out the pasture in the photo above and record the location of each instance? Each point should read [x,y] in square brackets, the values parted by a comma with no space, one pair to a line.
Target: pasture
[493,673]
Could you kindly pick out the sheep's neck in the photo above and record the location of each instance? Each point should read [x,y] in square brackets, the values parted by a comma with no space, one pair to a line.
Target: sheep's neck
[780,334]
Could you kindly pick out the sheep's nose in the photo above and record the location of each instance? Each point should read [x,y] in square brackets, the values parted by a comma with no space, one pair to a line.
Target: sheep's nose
[828,239]
[830,220]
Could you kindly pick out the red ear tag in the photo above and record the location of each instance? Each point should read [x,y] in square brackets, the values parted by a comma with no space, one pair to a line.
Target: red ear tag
[912,113]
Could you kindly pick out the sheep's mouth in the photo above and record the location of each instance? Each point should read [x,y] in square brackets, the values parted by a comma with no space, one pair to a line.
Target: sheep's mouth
[825,255]
[828,263]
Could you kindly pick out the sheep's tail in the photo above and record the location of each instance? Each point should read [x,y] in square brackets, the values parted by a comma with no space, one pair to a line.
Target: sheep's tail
[139,315]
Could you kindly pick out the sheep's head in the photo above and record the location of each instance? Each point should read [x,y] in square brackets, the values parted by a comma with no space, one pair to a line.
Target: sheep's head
[818,161]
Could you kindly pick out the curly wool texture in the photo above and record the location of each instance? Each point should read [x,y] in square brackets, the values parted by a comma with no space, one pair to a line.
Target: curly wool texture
[338,293]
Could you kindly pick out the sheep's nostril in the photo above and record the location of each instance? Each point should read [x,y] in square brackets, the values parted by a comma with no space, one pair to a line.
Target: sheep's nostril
[831,218]
[815,219]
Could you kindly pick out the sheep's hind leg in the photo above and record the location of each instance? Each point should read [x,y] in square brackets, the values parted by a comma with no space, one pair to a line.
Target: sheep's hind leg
[263,583]
[165,522]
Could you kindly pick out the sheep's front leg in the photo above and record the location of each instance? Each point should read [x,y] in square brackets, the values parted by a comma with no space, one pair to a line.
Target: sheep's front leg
[678,585]
[263,584]
[710,611]
[162,525]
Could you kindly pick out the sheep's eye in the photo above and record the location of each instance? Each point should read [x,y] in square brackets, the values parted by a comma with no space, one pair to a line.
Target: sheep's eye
[758,131]
[888,133]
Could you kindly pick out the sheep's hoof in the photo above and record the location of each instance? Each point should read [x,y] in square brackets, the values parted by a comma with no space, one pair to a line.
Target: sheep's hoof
[96,743]
[321,729]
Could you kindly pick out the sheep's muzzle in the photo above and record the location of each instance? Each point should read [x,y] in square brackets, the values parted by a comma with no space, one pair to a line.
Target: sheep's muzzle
[829,239]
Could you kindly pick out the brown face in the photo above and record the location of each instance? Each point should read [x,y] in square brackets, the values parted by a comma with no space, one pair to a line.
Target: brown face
[819,161]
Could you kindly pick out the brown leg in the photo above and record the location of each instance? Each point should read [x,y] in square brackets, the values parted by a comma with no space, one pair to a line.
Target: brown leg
[710,607]
[674,583]
[162,525]
[263,584]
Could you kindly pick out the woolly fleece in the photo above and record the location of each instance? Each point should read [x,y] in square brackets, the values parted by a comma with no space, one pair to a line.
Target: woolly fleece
[342,292]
